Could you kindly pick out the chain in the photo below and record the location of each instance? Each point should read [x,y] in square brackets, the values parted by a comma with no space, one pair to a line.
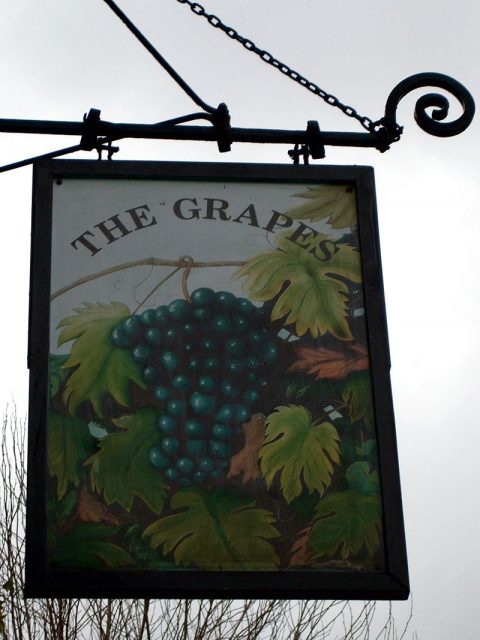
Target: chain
[267,57]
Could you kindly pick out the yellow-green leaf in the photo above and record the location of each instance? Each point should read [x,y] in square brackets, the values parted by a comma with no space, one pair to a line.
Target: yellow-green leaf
[301,451]
[334,203]
[68,444]
[222,530]
[357,395]
[313,291]
[121,469]
[100,368]
[344,524]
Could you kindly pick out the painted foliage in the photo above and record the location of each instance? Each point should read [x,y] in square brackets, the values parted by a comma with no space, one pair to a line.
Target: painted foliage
[224,419]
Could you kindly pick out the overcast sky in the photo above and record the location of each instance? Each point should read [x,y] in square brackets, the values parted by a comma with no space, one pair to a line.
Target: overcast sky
[59,58]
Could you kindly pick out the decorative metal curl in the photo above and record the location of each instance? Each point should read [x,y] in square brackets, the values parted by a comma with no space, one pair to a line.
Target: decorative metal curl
[431,123]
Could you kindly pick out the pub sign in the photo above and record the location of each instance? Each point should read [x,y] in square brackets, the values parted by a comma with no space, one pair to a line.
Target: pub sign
[210,405]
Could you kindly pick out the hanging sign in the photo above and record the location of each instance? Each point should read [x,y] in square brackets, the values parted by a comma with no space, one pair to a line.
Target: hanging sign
[210,406]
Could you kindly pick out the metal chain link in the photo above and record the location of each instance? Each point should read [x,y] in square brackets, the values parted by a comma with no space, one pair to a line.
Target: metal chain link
[267,57]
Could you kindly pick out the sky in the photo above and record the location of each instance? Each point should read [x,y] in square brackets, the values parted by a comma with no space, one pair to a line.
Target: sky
[59,58]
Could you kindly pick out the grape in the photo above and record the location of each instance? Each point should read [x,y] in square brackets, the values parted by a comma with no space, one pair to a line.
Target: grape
[148,317]
[194,428]
[185,465]
[142,353]
[161,393]
[205,361]
[158,458]
[203,296]
[167,424]
[176,407]
[202,403]
[170,445]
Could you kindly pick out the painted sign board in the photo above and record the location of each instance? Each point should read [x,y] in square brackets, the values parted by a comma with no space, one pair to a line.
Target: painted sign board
[210,405]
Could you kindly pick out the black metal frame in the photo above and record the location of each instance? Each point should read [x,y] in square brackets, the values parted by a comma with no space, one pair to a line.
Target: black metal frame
[98,134]
[43,582]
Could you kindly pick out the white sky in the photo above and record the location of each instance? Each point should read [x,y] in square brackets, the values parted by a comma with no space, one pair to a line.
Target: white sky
[59,58]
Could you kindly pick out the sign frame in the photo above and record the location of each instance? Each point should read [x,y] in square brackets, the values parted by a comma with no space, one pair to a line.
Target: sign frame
[41,581]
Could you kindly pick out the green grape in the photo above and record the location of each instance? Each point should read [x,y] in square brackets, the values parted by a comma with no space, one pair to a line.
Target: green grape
[170,445]
[226,413]
[233,367]
[183,482]
[188,329]
[153,336]
[203,296]
[170,360]
[194,364]
[221,431]
[205,464]
[234,346]
[148,317]
[188,347]
[150,375]
[221,323]
[202,403]
[162,315]
[252,362]
[241,324]
[142,353]
[199,477]
[202,314]
[181,382]
[179,309]
[158,458]
[167,424]
[133,327]
[270,352]
[207,384]
[171,473]
[244,306]
[220,449]
[119,338]
[251,376]
[211,364]
[207,345]
[176,407]
[230,389]
[161,393]
[194,428]
[256,340]
[225,299]
[170,335]
[185,465]
[196,447]
[250,396]
[242,413]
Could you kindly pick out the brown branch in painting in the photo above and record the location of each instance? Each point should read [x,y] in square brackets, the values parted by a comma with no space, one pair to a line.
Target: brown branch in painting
[154,262]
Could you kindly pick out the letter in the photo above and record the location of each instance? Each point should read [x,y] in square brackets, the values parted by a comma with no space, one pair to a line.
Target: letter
[86,243]
[274,221]
[306,233]
[250,214]
[140,216]
[117,226]
[211,208]
[177,209]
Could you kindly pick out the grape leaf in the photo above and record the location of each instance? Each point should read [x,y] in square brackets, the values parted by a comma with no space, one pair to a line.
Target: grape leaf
[222,530]
[56,373]
[346,522]
[91,509]
[85,547]
[100,367]
[298,450]
[326,363]
[121,468]
[334,203]
[312,296]
[357,395]
[299,553]
[363,479]
[68,444]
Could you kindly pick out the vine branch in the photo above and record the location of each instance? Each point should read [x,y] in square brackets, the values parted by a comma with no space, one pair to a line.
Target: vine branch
[154,262]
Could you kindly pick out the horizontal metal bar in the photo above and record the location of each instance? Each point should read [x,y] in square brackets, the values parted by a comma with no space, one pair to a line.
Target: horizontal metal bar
[184,132]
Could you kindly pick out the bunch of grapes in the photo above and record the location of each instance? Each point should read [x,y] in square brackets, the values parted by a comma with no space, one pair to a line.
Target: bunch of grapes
[207,361]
